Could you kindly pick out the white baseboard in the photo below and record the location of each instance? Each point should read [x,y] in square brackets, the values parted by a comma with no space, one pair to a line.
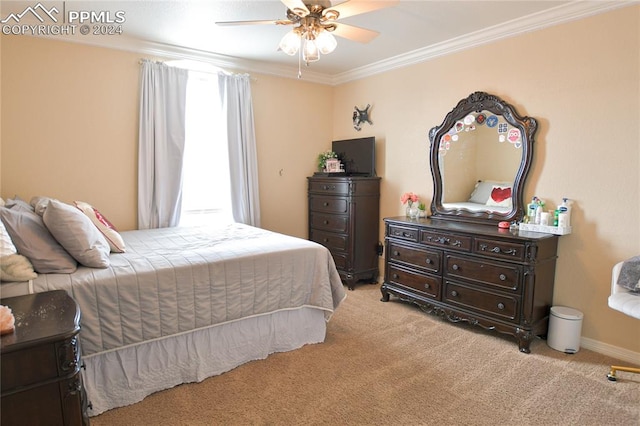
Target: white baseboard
[610,350]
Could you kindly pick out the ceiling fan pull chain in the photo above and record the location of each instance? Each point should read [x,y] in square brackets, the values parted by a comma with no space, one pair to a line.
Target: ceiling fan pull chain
[300,60]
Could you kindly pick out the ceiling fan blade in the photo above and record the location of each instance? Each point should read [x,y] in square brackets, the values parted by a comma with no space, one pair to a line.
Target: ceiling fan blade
[356,7]
[271,22]
[296,6]
[350,32]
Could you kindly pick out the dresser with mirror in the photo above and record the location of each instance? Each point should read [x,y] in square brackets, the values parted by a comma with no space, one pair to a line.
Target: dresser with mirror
[458,263]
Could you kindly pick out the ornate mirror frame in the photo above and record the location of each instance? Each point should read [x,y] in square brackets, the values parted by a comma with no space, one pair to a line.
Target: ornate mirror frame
[475,103]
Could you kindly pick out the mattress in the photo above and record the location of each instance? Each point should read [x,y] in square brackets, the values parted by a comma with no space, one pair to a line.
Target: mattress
[175,280]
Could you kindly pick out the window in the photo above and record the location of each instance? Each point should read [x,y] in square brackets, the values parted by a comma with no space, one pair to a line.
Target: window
[206,195]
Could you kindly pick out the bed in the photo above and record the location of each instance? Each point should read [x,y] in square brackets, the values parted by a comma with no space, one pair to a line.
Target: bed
[487,195]
[183,304]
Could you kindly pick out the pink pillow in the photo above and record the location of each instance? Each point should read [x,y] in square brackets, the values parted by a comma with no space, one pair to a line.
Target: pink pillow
[116,243]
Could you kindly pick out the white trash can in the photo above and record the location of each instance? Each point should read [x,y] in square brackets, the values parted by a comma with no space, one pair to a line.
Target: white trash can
[565,326]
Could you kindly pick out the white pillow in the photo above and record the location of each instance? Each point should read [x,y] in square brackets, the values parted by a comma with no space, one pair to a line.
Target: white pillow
[6,245]
[75,232]
[16,267]
[116,243]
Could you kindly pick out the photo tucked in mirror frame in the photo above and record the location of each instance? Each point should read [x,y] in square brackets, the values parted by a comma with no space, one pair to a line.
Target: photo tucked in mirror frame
[480,157]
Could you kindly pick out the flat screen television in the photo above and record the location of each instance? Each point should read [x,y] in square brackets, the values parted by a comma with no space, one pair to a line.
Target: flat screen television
[357,155]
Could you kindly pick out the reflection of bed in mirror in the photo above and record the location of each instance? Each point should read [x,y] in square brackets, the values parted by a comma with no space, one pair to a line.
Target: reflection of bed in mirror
[487,196]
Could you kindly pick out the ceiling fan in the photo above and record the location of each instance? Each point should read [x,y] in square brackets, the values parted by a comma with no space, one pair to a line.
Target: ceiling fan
[314,23]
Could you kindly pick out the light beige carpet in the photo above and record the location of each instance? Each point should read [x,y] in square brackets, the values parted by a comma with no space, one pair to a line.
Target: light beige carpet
[392,364]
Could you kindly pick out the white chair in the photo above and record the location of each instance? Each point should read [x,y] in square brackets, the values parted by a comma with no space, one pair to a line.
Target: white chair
[624,301]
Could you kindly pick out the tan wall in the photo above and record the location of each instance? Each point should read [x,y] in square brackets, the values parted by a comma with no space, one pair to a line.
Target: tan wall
[69,115]
[291,119]
[581,81]
[71,127]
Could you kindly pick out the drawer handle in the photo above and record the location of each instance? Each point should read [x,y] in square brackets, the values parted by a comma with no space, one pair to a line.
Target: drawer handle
[326,240]
[427,286]
[328,187]
[501,306]
[407,235]
[454,293]
[396,276]
[444,241]
[455,267]
[325,204]
[326,222]
[428,261]
[396,253]
[498,250]
[503,277]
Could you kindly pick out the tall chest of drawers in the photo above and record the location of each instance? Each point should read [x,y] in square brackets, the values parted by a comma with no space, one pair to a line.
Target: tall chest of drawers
[344,217]
[41,361]
[496,279]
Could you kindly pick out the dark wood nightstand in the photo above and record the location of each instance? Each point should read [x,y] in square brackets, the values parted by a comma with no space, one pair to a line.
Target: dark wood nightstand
[40,362]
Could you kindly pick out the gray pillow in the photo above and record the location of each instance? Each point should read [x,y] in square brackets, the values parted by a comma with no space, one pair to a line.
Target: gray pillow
[18,203]
[629,277]
[39,203]
[77,234]
[33,240]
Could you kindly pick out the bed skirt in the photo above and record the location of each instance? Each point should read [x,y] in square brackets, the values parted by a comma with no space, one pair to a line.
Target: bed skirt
[127,375]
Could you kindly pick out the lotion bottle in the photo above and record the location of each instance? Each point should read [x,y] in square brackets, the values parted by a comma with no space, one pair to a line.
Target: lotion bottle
[531,210]
[565,208]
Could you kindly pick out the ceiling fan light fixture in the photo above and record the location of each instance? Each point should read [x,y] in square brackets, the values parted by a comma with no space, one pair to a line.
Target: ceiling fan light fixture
[326,42]
[290,43]
[310,52]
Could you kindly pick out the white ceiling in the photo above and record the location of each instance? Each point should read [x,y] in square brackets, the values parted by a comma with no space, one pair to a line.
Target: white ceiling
[411,31]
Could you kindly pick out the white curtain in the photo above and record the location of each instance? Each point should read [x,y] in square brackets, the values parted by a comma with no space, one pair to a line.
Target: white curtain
[161,144]
[235,93]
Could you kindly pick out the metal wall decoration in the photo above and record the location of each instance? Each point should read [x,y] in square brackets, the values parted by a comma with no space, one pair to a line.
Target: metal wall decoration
[361,116]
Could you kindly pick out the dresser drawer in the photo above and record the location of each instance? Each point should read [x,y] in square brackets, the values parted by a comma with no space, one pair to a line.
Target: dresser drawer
[484,302]
[500,275]
[329,204]
[341,259]
[329,222]
[428,260]
[451,241]
[29,366]
[324,187]
[427,285]
[499,249]
[405,233]
[329,240]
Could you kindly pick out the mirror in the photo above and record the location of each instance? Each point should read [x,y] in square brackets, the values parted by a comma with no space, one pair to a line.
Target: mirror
[480,157]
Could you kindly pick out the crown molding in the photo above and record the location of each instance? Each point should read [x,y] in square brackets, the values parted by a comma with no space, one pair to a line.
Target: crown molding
[558,15]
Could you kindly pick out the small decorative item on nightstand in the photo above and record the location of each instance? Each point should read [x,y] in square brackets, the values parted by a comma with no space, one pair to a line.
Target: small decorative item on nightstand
[333,166]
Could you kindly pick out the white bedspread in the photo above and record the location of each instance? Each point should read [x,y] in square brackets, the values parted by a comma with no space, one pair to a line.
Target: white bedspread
[175,280]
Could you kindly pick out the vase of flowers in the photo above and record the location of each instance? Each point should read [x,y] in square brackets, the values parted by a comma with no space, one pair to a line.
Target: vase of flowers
[411,201]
